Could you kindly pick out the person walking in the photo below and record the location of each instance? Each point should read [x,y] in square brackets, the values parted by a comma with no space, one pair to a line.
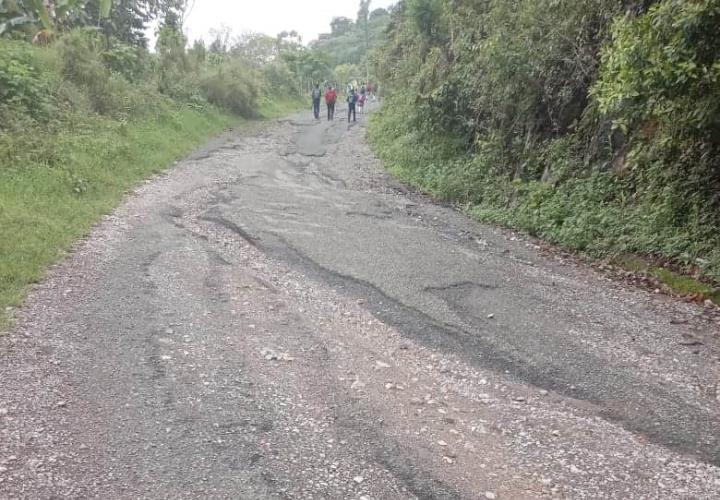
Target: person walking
[330,98]
[351,100]
[316,95]
[361,103]
[371,92]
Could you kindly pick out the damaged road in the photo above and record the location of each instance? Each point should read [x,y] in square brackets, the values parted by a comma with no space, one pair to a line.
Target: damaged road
[278,318]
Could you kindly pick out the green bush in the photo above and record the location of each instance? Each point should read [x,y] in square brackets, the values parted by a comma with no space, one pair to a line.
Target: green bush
[173,66]
[231,86]
[660,83]
[24,87]
[100,76]
[279,80]
[133,63]
[594,124]
[80,55]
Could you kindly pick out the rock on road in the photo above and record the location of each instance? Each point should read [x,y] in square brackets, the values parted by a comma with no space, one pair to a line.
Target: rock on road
[277,318]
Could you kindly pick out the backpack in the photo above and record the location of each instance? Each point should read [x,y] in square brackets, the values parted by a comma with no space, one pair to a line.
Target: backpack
[316,94]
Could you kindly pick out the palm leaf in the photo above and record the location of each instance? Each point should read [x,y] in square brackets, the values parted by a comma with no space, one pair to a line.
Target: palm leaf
[15,21]
[105,6]
[39,7]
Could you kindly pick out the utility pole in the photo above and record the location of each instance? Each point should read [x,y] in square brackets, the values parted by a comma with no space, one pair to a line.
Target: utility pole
[367,45]
[364,14]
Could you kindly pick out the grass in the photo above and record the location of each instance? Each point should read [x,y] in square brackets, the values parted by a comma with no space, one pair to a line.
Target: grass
[75,137]
[582,214]
[686,285]
[45,205]
[59,186]
[281,106]
[678,283]
[53,189]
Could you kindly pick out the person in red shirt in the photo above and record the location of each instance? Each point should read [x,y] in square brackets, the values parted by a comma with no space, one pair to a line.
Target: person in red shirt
[330,98]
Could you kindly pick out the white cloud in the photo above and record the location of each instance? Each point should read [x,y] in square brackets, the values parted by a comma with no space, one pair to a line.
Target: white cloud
[307,17]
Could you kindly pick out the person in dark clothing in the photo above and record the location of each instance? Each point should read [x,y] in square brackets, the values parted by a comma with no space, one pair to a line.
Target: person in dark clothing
[316,95]
[351,100]
[330,98]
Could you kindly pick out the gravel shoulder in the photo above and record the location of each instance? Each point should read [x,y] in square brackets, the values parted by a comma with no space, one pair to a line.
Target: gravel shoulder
[278,318]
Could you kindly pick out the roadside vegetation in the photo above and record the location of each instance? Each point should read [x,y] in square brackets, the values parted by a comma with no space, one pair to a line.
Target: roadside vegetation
[594,124]
[87,111]
[348,45]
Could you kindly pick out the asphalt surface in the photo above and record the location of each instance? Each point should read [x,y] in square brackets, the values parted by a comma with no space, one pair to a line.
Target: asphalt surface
[278,318]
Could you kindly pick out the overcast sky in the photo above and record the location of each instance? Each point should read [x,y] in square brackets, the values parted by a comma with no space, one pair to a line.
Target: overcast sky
[307,17]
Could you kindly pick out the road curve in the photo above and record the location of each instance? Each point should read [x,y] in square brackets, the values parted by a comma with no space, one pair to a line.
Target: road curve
[278,318]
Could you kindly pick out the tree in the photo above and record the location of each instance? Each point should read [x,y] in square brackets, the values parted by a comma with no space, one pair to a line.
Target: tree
[255,48]
[173,61]
[379,12]
[351,47]
[288,39]
[363,17]
[309,66]
[341,25]
[15,15]
[198,51]
[128,20]
[221,40]
[346,73]
[46,13]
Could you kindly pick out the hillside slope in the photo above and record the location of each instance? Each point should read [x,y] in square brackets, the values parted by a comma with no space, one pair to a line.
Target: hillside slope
[593,124]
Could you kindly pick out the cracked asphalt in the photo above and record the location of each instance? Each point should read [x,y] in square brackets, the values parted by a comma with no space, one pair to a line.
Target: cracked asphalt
[276,317]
